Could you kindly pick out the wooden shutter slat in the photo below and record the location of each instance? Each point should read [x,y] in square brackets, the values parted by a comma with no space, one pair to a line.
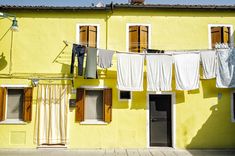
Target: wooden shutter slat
[133,38]
[27,104]
[92,36]
[3,93]
[226,35]
[216,35]
[107,99]
[143,38]
[79,113]
[83,35]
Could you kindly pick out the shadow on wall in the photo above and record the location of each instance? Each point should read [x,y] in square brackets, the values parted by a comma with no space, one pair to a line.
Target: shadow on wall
[3,62]
[218,130]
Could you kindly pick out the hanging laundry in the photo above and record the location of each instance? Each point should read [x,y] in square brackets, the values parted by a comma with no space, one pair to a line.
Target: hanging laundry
[209,63]
[79,51]
[130,72]
[187,71]
[91,64]
[105,58]
[225,76]
[159,72]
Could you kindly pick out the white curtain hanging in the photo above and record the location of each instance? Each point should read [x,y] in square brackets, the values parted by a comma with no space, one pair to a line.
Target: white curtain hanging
[52,114]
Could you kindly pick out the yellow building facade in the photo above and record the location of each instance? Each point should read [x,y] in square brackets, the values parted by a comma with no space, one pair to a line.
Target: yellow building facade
[199,119]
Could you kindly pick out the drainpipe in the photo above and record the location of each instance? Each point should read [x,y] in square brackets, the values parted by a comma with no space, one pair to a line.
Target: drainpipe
[108,15]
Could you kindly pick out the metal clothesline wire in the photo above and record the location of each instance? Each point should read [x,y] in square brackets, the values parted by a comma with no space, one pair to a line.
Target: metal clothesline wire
[167,52]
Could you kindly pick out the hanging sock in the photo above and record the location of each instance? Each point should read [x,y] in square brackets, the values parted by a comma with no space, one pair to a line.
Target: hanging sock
[130,72]
[209,63]
[105,58]
[187,71]
[225,76]
[91,64]
[159,72]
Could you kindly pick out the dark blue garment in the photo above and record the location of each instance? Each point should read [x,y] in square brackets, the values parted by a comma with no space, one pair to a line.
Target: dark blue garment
[78,50]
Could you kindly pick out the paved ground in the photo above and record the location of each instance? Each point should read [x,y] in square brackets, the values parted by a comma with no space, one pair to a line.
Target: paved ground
[114,152]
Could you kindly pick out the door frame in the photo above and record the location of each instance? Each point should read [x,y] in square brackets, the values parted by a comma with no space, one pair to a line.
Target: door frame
[173,117]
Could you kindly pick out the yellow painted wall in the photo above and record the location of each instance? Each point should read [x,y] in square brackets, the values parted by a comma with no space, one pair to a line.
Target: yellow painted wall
[202,119]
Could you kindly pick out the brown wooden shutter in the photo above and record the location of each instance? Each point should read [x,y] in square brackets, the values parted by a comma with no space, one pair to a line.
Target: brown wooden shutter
[92,40]
[143,38]
[226,35]
[83,35]
[79,113]
[216,35]
[3,93]
[134,38]
[107,99]
[27,104]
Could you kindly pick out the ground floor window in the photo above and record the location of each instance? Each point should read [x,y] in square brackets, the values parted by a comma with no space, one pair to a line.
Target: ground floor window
[15,104]
[94,104]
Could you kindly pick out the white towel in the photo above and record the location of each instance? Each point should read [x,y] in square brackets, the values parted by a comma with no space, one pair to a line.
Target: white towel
[187,71]
[159,72]
[209,64]
[130,73]
[225,76]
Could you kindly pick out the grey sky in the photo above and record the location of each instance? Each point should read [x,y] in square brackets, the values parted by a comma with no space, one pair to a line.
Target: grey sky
[89,2]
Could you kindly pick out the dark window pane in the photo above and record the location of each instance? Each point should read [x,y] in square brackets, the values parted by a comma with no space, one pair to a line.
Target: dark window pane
[125,95]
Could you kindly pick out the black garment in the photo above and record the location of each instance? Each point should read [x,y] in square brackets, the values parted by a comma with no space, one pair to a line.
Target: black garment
[78,50]
[154,51]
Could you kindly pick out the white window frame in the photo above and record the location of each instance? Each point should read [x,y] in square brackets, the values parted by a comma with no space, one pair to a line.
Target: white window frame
[87,121]
[173,117]
[232,108]
[137,24]
[88,24]
[12,121]
[119,96]
[231,44]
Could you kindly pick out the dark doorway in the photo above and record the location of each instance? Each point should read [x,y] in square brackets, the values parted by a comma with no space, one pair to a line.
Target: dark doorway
[160,120]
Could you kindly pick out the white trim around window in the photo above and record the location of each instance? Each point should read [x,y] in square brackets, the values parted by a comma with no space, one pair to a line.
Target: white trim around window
[87,24]
[220,25]
[119,96]
[137,24]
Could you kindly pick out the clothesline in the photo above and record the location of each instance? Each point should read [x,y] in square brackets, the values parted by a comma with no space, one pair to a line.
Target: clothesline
[167,52]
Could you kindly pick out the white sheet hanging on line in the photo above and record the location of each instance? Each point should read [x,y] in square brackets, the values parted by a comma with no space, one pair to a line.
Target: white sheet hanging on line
[159,72]
[130,72]
[209,63]
[187,71]
[225,76]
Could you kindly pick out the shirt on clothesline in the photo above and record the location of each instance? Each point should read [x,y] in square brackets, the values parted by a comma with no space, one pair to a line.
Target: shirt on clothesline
[130,72]
[187,71]
[105,58]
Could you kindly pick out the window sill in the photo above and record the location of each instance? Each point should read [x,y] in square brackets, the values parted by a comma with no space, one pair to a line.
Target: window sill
[13,122]
[93,122]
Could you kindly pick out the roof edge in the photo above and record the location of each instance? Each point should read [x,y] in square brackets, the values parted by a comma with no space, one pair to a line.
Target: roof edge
[112,6]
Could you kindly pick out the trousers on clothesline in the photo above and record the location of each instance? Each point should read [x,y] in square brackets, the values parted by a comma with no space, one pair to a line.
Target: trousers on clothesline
[79,51]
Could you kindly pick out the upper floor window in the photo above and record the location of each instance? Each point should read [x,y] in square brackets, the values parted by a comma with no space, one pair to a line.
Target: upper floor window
[220,34]
[88,35]
[138,38]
